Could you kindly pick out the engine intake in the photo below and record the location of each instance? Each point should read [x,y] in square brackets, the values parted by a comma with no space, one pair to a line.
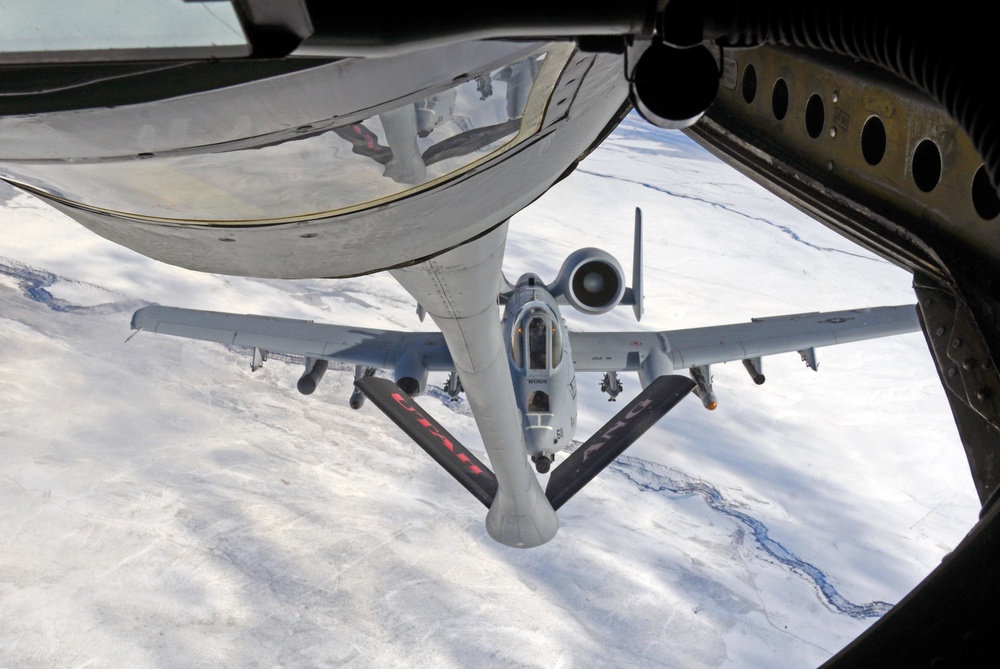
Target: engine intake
[591,281]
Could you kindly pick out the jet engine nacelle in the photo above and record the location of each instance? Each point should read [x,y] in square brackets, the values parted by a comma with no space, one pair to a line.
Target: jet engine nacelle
[591,281]
[410,374]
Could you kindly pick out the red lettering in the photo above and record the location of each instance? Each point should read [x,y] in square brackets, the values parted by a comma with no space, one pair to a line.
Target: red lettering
[445,441]
[401,402]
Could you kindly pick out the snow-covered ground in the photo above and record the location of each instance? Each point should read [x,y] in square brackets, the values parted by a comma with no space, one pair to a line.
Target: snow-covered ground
[162,507]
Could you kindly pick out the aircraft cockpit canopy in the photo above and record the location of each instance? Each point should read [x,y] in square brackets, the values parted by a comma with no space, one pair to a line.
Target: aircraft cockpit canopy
[536,341]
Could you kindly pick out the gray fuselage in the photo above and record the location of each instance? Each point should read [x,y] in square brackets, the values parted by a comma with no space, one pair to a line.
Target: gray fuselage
[541,367]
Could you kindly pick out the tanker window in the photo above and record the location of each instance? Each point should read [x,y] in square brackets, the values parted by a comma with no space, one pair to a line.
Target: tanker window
[536,343]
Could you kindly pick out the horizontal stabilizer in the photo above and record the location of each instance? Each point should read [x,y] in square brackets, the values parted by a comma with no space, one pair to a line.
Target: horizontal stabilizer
[430,436]
[619,433]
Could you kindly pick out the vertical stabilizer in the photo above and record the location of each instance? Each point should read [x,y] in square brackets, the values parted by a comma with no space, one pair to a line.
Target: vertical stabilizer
[637,308]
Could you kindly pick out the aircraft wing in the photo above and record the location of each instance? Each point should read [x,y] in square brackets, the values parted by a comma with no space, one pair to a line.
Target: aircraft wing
[384,349]
[697,347]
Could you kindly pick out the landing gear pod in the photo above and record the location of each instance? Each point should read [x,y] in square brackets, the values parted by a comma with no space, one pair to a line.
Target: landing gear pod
[656,364]
[410,375]
[315,369]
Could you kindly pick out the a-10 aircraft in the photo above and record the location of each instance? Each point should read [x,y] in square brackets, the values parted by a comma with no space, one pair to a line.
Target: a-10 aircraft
[538,358]
[248,145]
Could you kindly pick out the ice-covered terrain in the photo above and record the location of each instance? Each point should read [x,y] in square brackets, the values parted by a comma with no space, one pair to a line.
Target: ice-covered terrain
[164,507]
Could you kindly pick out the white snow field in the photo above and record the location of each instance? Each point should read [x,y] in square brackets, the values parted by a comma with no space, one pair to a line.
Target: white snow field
[161,506]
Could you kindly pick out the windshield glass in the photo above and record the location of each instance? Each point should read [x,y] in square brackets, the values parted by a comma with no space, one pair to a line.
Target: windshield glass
[317,170]
[41,27]
[537,342]
[537,334]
